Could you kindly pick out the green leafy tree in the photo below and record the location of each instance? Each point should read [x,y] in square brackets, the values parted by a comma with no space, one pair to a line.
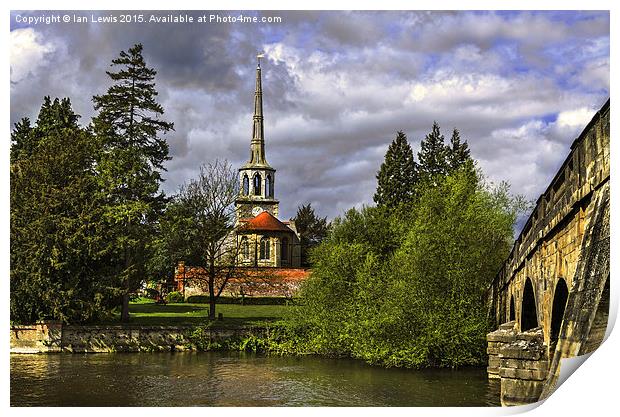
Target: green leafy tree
[379,230]
[433,156]
[129,127]
[59,263]
[398,175]
[312,230]
[421,303]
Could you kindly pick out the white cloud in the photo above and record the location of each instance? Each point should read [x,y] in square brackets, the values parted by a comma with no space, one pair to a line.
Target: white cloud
[575,118]
[334,100]
[28,53]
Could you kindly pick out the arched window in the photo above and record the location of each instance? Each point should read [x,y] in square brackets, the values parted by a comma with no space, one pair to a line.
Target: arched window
[529,319]
[513,315]
[246,184]
[257,184]
[245,248]
[269,186]
[284,250]
[265,248]
[560,296]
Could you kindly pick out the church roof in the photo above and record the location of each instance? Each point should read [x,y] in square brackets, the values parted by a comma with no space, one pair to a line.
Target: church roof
[265,221]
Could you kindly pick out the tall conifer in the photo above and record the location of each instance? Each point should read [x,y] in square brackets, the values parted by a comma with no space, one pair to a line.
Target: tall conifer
[397,177]
[130,128]
[433,155]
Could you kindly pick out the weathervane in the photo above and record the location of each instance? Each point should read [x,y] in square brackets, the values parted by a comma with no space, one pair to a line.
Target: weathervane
[259,57]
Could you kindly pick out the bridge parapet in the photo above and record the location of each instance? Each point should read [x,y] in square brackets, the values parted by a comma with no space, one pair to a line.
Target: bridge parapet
[561,208]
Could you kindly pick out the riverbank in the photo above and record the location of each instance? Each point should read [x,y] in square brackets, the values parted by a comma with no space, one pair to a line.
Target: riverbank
[153,327]
[50,337]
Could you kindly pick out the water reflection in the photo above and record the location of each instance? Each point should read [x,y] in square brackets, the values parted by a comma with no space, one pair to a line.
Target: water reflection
[236,379]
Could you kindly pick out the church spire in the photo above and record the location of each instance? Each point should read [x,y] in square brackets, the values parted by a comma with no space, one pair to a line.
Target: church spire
[257,146]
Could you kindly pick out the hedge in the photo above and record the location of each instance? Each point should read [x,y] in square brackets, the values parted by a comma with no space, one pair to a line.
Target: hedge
[204,299]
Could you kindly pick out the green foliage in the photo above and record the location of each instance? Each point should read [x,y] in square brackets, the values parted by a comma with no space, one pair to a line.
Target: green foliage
[458,152]
[175,297]
[376,228]
[85,202]
[418,300]
[438,160]
[312,230]
[128,127]
[398,175]
[433,155]
[59,256]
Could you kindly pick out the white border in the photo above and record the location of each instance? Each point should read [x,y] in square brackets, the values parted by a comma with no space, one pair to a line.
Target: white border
[590,391]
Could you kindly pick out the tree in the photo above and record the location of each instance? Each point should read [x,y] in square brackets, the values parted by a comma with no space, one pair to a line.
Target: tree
[458,152]
[128,125]
[311,228]
[398,175]
[198,227]
[433,156]
[22,139]
[59,263]
[422,305]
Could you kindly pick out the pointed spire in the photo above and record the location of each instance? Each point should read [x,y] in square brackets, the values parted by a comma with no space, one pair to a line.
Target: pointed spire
[257,147]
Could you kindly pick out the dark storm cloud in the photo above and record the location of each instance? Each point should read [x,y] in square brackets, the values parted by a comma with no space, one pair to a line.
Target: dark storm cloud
[337,87]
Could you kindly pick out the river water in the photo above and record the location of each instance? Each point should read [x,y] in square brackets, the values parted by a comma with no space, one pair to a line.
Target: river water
[235,379]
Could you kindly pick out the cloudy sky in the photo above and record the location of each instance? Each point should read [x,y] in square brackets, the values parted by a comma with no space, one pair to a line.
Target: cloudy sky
[520,86]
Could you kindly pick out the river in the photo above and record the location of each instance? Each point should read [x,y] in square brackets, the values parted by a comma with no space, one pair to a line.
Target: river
[236,379]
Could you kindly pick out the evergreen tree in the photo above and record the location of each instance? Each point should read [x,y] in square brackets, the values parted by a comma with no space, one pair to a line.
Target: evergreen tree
[129,126]
[433,156]
[397,177]
[458,152]
[312,230]
[22,139]
[59,266]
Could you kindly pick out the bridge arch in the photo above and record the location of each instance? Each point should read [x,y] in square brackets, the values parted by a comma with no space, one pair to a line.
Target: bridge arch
[560,297]
[529,316]
[513,315]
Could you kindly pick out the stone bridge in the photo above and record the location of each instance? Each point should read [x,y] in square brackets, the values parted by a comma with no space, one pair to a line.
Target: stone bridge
[550,299]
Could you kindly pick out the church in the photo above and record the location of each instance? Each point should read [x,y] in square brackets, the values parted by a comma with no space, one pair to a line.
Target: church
[265,242]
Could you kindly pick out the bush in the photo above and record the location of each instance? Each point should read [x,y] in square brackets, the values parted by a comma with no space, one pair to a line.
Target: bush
[175,297]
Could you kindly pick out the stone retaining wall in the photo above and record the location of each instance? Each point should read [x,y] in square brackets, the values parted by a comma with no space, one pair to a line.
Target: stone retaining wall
[50,337]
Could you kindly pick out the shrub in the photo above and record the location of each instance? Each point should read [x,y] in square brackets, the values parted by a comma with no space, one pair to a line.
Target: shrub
[175,297]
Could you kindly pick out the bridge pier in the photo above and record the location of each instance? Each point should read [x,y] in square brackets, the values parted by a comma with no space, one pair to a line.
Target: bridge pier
[520,361]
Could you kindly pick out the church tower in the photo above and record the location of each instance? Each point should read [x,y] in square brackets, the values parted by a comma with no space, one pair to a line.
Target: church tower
[257,177]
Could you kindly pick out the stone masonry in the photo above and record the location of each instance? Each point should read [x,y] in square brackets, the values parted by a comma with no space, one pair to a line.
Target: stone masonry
[49,337]
[555,281]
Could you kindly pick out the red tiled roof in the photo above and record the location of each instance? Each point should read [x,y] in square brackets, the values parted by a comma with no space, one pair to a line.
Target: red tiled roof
[265,222]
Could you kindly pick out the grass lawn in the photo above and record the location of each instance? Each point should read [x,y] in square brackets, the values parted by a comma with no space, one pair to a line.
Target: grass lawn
[235,315]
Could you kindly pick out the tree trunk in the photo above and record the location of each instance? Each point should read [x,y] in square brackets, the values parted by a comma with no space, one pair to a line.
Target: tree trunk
[212,291]
[125,308]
